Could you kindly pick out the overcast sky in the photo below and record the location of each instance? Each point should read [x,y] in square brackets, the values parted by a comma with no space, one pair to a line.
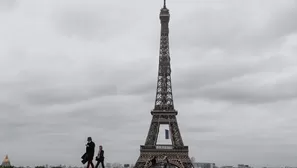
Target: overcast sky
[72,69]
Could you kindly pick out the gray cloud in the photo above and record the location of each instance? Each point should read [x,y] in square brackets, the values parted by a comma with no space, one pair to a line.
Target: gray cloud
[16,129]
[196,129]
[217,28]
[85,21]
[6,5]
[68,94]
[86,24]
[246,82]
[250,94]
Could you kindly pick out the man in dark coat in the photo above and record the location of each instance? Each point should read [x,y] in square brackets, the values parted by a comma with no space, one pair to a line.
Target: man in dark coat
[100,157]
[90,150]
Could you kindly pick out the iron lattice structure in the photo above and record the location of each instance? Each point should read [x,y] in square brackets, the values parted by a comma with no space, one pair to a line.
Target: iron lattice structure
[164,112]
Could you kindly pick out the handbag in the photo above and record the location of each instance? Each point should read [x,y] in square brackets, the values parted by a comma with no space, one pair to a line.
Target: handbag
[99,159]
[84,158]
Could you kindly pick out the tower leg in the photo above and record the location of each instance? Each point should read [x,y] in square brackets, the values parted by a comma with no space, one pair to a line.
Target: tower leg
[175,133]
[153,132]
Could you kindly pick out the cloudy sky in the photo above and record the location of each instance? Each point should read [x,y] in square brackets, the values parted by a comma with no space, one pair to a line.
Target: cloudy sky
[72,69]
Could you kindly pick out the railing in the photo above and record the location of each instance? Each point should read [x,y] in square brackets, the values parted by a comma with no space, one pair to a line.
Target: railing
[165,147]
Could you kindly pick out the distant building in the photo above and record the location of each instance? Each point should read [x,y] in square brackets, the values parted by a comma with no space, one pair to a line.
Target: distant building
[116,165]
[243,166]
[227,167]
[6,162]
[204,165]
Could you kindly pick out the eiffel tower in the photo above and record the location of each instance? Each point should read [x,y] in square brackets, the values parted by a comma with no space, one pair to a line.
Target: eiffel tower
[164,113]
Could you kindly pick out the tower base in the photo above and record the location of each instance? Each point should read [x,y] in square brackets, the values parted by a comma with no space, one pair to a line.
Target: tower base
[177,157]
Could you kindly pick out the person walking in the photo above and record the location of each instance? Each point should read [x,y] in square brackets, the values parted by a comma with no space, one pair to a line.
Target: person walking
[100,157]
[166,162]
[90,151]
[154,161]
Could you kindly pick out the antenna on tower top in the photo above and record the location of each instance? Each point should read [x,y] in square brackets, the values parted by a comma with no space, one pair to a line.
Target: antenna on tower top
[164,4]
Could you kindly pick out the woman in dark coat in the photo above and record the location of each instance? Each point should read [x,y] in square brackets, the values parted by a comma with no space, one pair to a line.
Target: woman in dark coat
[100,157]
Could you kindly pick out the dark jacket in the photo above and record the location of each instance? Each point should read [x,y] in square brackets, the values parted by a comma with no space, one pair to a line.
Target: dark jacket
[100,156]
[90,149]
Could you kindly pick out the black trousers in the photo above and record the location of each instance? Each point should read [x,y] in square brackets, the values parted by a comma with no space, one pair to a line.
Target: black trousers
[102,163]
[90,162]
